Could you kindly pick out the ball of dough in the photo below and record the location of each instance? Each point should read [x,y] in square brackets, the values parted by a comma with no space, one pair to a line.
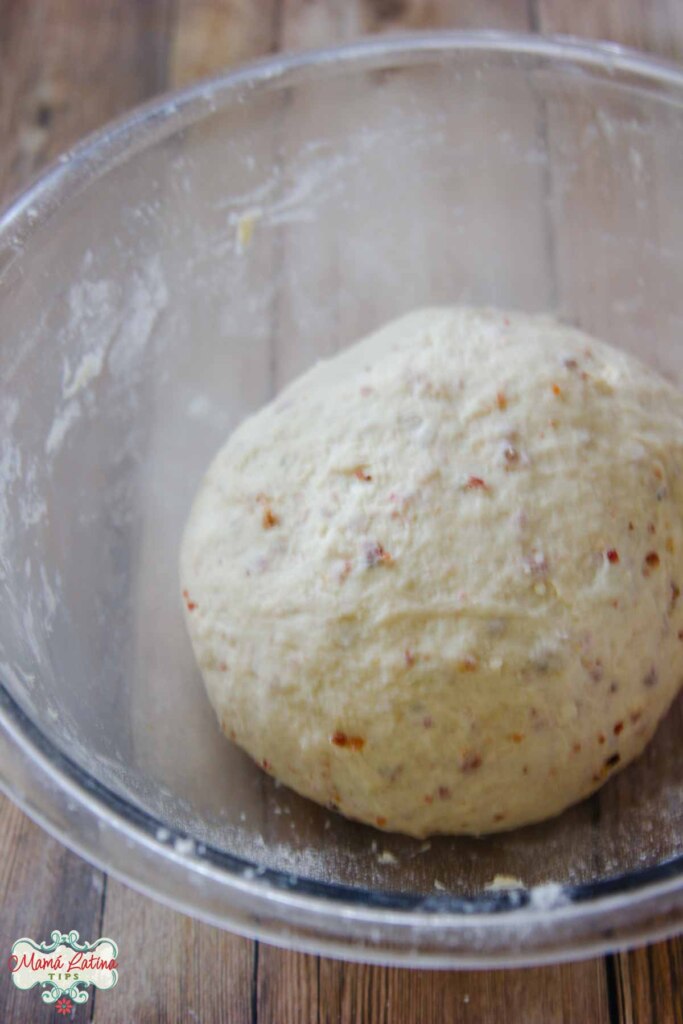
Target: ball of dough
[435,585]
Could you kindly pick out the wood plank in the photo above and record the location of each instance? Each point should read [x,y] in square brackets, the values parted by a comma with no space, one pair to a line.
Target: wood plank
[52,91]
[170,980]
[309,24]
[571,994]
[52,86]
[350,992]
[216,34]
[424,15]
[173,968]
[288,987]
[43,887]
[647,984]
[213,389]
[654,27]
[650,984]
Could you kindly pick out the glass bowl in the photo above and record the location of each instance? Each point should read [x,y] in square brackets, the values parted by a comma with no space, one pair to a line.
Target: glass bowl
[165,278]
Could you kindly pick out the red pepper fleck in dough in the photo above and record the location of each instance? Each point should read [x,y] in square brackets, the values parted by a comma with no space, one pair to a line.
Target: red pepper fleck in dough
[576,747]
[651,561]
[409,657]
[470,761]
[381,821]
[340,739]
[266,765]
[429,799]
[468,664]
[613,556]
[557,390]
[601,737]
[361,474]
[191,605]
[501,401]
[269,519]
[376,555]
[476,483]
[444,792]
[517,737]
[618,727]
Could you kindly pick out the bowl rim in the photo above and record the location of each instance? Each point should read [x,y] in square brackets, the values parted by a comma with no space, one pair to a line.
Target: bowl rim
[42,779]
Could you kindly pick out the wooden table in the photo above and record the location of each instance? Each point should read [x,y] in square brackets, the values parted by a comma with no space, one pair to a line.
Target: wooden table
[66,66]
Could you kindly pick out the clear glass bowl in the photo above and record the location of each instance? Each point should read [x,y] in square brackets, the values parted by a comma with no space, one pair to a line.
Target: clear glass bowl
[168,276]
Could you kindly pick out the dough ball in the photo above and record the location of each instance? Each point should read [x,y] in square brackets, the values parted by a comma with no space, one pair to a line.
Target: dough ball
[435,585]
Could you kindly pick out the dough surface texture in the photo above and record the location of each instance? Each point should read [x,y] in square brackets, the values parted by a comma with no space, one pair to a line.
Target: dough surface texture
[435,583]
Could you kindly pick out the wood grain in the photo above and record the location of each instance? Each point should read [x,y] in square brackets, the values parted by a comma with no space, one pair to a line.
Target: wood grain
[654,27]
[52,86]
[172,967]
[213,35]
[53,90]
[43,887]
[649,984]
[645,985]
[66,66]
[358,993]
